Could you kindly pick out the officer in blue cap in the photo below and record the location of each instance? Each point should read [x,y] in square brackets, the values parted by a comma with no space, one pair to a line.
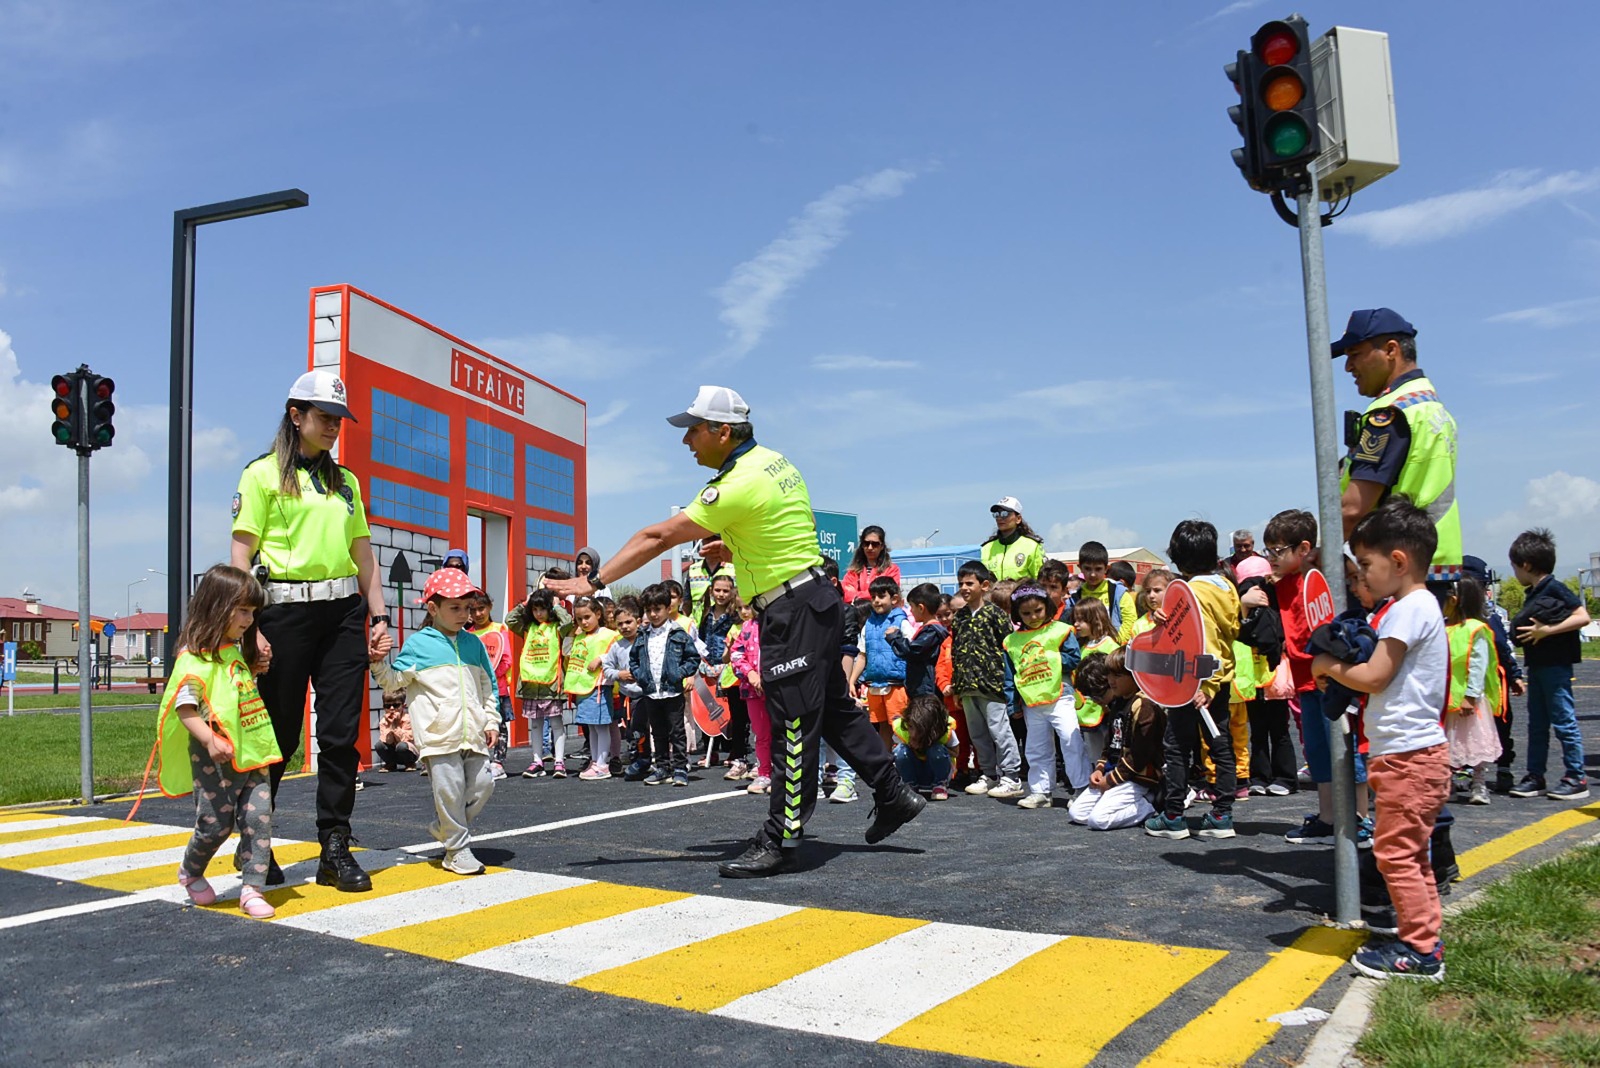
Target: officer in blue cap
[1405,442]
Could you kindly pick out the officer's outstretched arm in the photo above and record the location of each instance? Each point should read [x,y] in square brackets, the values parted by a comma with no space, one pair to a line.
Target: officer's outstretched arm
[644,546]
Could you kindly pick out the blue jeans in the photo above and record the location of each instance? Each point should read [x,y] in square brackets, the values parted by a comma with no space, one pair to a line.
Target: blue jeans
[1314,741]
[1550,709]
[930,770]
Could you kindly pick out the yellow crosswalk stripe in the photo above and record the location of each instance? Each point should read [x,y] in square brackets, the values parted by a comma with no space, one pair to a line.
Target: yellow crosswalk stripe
[1235,1027]
[301,898]
[93,852]
[454,937]
[162,874]
[57,832]
[1081,993]
[1508,845]
[712,973]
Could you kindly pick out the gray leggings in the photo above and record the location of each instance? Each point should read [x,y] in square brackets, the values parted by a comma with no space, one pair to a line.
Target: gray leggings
[223,799]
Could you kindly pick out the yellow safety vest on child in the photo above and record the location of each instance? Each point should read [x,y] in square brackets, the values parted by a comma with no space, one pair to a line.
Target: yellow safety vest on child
[1462,637]
[230,704]
[1036,659]
[541,655]
[1089,712]
[587,648]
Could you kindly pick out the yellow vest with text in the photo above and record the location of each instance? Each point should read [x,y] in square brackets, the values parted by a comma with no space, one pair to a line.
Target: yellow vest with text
[1428,477]
[1036,658]
[230,704]
[760,506]
[1021,559]
[541,655]
[1461,637]
[580,681]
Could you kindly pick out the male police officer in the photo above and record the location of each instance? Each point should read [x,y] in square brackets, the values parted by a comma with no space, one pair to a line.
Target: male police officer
[1405,442]
[755,512]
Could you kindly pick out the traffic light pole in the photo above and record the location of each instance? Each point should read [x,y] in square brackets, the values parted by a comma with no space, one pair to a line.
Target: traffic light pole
[1324,423]
[85,636]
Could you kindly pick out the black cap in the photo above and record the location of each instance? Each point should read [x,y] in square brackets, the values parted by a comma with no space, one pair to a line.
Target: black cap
[1475,567]
[1370,323]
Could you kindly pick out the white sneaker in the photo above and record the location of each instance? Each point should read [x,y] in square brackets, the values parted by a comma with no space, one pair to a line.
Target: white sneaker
[1008,789]
[1034,801]
[497,771]
[844,793]
[980,786]
[1479,795]
[462,862]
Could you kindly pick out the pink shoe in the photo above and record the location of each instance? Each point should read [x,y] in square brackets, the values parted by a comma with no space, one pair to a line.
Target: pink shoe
[200,891]
[595,770]
[253,905]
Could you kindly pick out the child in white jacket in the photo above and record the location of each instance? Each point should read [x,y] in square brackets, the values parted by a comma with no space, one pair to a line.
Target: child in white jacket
[455,711]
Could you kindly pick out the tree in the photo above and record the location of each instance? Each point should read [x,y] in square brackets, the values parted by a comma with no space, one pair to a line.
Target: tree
[1590,602]
[1511,596]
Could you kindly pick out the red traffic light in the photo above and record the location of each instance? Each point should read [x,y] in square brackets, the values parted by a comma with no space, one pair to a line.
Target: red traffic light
[62,385]
[1276,44]
[104,387]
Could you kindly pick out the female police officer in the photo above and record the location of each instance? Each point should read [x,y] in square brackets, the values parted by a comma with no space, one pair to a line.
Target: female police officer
[300,515]
[756,512]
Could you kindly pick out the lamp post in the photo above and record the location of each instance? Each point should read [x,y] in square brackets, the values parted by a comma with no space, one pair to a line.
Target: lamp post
[180,425]
[128,608]
[927,541]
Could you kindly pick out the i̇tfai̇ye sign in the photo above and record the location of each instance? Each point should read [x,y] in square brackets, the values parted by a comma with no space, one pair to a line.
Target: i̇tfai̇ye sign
[482,379]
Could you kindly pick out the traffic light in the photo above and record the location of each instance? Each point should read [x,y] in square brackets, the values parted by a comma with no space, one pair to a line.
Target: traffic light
[66,407]
[1241,72]
[98,430]
[1283,107]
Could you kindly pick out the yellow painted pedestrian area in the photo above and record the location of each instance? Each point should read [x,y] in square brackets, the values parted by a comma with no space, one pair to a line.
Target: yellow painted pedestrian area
[941,987]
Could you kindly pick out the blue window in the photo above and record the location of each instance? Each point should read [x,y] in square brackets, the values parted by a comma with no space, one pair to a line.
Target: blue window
[555,539]
[407,504]
[408,436]
[549,481]
[489,456]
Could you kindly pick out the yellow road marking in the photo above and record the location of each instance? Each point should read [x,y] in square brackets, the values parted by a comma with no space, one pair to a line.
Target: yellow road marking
[1080,993]
[453,937]
[162,874]
[66,828]
[93,852]
[27,814]
[1235,1027]
[301,898]
[710,974]
[1511,843]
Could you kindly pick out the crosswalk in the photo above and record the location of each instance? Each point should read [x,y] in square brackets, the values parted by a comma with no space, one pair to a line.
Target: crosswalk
[945,987]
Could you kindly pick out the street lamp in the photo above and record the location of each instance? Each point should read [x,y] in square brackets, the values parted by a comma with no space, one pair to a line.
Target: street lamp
[927,541]
[128,608]
[180,410]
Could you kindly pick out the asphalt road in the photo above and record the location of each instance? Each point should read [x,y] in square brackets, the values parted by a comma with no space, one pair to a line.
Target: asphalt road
[1166,933]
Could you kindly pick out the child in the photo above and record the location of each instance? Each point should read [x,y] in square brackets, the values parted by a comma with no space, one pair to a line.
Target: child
[615,672]
[923,751]
[1092,624]
[1093,561]
[745,649]
[1409,763]
[978,677]
[1290,545]
[1193,552]
[1055,576]
[1044,653]
[214,734]
[1547,629]
[921,653]
[1123,789]
[455,713]
[885,671]
[944,673]
[542,625]
[663,659]
[396,747]
[496,638]
[719,616]
[1152,588]
[581,683]
[1123,572]
[1476,689]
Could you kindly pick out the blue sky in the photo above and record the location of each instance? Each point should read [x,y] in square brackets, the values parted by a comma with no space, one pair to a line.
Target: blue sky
[947,251]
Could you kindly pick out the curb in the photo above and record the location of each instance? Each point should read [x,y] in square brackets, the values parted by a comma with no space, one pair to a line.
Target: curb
[1335,1042]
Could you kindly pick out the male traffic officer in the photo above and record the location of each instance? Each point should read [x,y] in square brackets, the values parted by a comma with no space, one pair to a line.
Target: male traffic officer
[1405,442]
[755,512]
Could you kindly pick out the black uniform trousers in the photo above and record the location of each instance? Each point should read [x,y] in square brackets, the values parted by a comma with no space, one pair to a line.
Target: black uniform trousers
[809,702]
[324,643]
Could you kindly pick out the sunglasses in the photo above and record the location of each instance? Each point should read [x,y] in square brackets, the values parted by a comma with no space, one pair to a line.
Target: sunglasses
[1272,552]
[1001,513]
[872,545]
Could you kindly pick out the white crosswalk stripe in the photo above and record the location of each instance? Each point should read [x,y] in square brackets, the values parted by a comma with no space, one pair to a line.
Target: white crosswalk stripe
[85,838]
[362,918]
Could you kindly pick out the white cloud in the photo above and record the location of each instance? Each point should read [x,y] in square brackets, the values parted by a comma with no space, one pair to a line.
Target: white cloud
[1564,496]
[1568,504]
[1449,214]
[566,357]
[1231,9]
[613,411]
[754,288]
[861,363]
[1067,537]
[1550,316]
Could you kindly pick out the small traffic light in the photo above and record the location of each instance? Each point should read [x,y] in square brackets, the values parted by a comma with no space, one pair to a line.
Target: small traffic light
[1283,111]
[98,430]
[1241,72]
[66,407]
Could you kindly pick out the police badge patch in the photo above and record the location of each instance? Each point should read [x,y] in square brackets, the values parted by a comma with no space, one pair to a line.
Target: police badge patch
[708,495]
[1381,418]
[1020,557]
[238,502]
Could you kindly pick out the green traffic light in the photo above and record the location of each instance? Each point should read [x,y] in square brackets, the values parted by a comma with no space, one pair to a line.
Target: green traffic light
[63,433]
[1287,136]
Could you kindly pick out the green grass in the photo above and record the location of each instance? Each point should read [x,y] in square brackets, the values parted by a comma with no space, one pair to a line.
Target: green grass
[39,754]
[1591,650]
[69,699]
[1522,980]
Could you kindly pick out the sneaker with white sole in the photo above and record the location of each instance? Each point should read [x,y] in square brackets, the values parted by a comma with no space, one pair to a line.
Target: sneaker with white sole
[1216,825]
[1007,790]
[1568,789]
[1034,801]
[844,792]
[1396,960]
[497,771]
[1479,795]
[981,785]
[1163,826]
[761,784]
[1530,786]
[1278,789]
[736,771]
[462,862]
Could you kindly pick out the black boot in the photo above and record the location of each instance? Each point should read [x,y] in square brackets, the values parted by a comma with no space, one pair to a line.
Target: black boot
[762,858]
[338,868]
[889,816]
[274,873]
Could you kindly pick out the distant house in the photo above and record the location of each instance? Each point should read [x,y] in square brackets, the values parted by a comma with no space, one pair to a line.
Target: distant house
[139,636]
[1141,558]
[28,619]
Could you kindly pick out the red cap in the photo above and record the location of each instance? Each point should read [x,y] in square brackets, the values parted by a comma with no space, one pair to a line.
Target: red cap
[447,582]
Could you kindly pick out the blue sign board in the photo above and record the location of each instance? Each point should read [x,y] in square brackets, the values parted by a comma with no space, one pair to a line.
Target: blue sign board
[8,667]
[836,536]
[110,630]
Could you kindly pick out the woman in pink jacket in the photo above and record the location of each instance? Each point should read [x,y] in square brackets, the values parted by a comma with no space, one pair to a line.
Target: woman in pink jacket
[871,560]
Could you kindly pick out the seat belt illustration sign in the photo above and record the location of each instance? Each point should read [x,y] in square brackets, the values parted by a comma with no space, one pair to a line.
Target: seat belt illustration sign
[710,711]
[1170,661]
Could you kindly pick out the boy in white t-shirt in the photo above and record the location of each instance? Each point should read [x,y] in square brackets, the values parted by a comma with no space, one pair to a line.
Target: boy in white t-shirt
[1408,761]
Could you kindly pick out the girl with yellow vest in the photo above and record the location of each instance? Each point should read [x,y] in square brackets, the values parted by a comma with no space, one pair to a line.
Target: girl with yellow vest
[1044,654]
[1476,694]
[541,625]
[1091,620]
[215,734]
[582,684]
